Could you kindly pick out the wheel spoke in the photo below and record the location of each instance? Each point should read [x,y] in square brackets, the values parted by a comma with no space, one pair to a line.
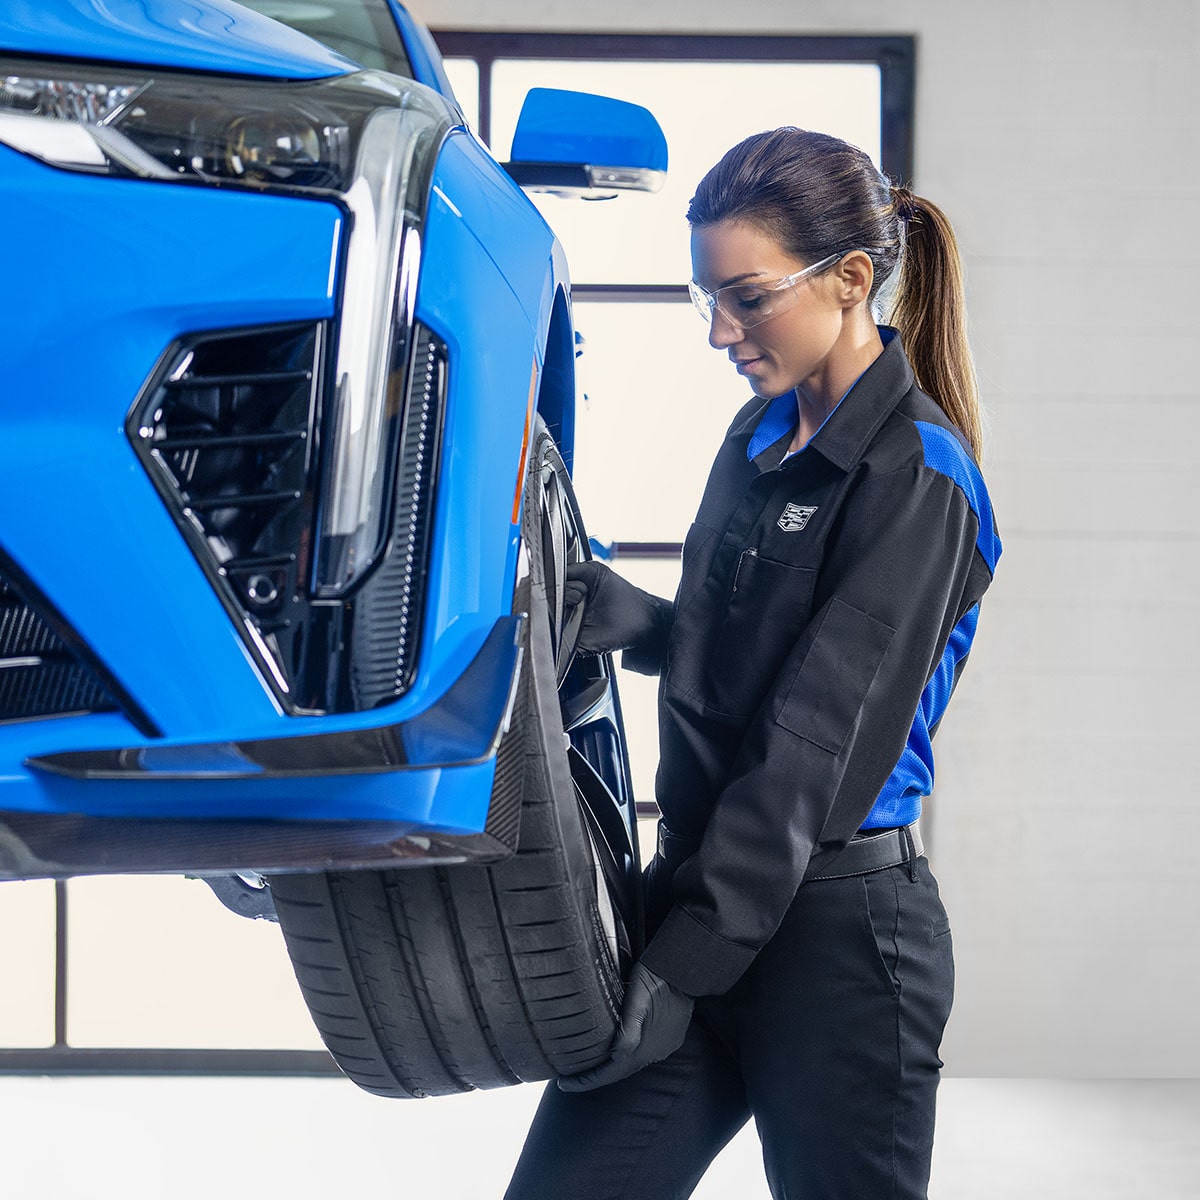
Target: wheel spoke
[615,861]
[568,642]
[555,555]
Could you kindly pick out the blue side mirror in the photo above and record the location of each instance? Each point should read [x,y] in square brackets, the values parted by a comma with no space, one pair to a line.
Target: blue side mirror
[576,144]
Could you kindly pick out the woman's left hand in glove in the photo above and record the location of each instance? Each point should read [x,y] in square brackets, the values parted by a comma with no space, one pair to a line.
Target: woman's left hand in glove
[654,1021]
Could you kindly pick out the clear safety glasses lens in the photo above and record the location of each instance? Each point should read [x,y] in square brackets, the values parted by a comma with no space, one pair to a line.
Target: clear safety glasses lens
[748,304]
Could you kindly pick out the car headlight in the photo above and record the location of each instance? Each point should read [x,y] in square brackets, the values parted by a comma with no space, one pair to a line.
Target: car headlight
[368,391]
[173,126]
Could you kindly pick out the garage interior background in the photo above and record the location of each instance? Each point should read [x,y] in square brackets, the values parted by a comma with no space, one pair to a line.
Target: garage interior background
[1061,140]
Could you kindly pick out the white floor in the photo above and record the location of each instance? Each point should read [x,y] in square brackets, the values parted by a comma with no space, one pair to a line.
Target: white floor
[194,1139]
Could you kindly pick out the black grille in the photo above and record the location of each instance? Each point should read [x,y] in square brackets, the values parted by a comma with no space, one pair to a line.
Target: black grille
[40,675]
[226,433]
[387,614]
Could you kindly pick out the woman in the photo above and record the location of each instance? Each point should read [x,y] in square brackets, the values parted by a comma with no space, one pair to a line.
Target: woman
[798,967]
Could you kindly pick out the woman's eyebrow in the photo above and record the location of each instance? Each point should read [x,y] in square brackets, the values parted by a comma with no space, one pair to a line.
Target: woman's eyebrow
[740,278]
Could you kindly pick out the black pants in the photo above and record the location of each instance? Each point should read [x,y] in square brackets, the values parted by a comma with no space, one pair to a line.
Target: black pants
[830,1041]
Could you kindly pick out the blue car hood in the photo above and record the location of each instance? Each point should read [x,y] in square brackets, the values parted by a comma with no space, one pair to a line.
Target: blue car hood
[196,35]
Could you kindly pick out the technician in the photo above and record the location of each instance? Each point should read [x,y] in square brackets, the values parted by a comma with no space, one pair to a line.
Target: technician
[799,966]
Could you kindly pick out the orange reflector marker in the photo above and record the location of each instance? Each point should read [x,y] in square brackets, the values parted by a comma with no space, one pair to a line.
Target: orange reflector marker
[516,510]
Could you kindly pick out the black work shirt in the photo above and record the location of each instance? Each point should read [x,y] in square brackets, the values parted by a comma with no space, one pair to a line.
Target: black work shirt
[826,605]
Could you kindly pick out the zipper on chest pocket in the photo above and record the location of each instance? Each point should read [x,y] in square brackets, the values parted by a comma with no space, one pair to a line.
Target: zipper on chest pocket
[745,554]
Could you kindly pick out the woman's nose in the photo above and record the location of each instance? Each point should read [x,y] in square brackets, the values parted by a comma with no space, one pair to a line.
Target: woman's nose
[722,332]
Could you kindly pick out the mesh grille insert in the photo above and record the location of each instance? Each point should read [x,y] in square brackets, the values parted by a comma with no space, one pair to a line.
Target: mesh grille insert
[40,675]
[227,433]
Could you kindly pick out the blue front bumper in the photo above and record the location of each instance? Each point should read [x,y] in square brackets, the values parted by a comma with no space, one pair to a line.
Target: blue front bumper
[446,747]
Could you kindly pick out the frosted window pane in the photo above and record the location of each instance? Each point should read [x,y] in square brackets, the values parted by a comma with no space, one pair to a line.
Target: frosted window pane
[158,961]
[639,693]
[27,952]
[463,74]
[704,108]
[656,402]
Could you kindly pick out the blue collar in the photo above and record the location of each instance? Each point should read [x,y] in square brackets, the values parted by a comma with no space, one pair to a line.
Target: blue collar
[782,415]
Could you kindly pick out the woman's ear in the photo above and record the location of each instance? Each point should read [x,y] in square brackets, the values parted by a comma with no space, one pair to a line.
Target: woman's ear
[854,275]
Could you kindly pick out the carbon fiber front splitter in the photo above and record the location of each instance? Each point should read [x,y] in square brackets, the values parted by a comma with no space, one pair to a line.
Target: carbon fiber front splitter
[42,845]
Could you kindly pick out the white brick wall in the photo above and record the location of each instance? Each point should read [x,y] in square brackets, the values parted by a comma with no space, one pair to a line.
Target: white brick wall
[1061,137]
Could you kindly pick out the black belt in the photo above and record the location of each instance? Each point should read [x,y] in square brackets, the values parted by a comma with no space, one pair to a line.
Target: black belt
[872,850]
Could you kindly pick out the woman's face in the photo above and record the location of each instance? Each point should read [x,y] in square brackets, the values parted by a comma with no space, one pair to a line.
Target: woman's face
[785,351]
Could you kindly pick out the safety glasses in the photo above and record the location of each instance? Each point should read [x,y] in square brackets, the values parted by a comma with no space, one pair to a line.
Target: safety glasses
[748,304]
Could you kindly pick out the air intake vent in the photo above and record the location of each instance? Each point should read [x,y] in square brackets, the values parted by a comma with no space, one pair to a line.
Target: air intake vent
[40,675]
[387,615]
[226,433]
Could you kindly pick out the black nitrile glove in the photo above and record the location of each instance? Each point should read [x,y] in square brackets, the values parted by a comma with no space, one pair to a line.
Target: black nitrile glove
[616,615]
[654,1022]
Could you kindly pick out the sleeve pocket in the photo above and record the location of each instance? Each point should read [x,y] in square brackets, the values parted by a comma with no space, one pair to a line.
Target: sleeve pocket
[828,692]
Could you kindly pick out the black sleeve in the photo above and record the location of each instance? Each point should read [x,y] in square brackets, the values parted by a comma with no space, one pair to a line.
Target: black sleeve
[649,655]
[896,578]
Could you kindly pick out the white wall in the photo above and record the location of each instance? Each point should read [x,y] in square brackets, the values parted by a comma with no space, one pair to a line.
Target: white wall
[1061,138]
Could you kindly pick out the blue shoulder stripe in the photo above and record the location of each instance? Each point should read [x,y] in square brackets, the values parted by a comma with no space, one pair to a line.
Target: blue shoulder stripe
[946,454]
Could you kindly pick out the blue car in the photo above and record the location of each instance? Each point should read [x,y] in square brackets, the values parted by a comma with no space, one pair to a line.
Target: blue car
[285,512]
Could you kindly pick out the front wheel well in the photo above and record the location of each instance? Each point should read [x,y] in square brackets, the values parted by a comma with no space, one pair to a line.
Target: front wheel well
[556,391]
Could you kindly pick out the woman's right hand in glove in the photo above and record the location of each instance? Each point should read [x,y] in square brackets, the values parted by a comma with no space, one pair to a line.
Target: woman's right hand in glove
[654,1021]
[616,615]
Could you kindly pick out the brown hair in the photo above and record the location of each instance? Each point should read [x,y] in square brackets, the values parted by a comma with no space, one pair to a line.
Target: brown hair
[818,196]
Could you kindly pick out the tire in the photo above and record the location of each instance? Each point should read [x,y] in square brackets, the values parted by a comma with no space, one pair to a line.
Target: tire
[428,981]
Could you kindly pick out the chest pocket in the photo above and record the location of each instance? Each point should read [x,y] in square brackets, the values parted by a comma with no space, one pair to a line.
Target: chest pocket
[770,603]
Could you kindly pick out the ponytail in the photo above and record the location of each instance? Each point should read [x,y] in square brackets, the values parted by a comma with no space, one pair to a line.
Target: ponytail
[929,310]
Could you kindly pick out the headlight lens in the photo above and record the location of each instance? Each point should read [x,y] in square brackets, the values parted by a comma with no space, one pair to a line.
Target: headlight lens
[270,148]
[372,354]
[65,99]
[175,126]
